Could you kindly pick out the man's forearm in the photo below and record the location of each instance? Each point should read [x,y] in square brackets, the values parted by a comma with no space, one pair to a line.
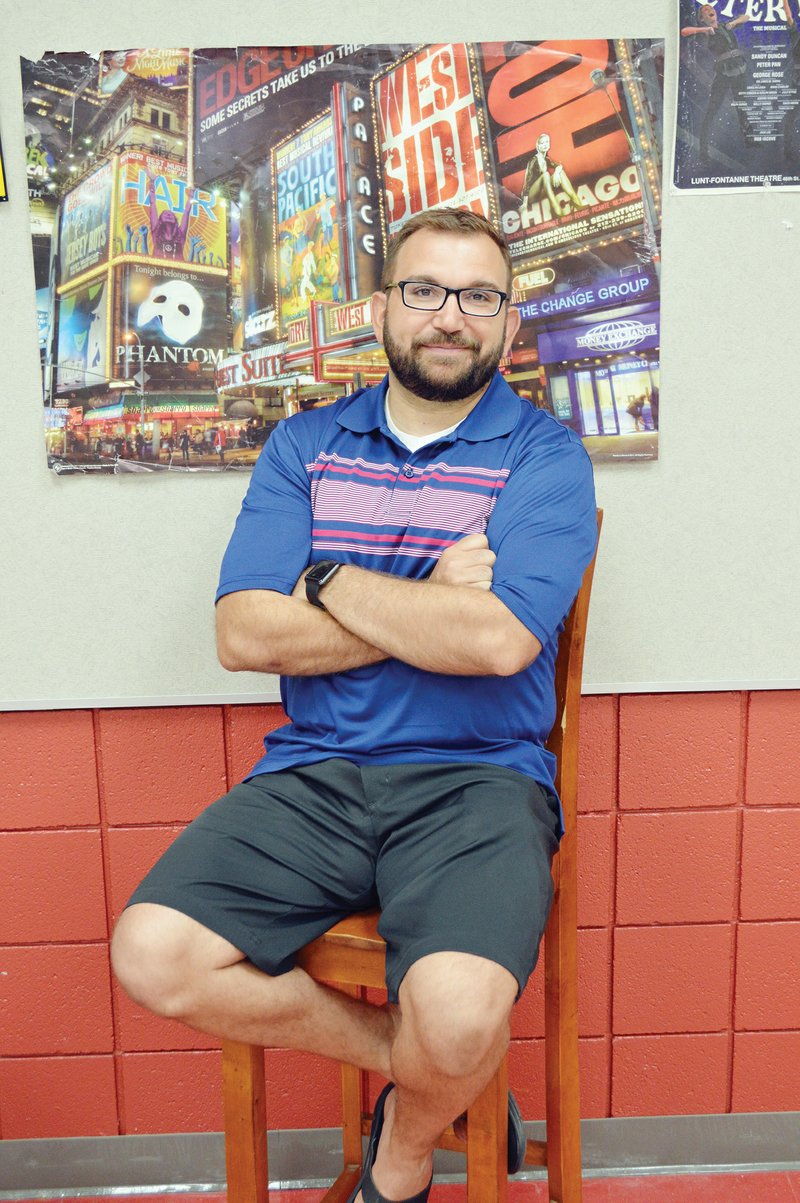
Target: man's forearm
[262,631]
[440,628]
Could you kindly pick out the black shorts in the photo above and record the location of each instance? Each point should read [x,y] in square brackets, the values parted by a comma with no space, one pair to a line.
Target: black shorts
[457,856]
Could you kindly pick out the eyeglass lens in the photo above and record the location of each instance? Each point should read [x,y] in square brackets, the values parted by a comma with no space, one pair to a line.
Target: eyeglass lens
[478,302]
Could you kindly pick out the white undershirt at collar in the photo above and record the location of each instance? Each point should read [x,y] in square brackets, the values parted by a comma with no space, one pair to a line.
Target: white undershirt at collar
[414,441]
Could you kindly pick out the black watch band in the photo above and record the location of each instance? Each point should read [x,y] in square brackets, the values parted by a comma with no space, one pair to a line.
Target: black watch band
[317,577]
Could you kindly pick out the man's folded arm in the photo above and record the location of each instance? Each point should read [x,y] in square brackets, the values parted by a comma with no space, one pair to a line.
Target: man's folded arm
[261,630]
[449,623]
[369,616]
[453,629]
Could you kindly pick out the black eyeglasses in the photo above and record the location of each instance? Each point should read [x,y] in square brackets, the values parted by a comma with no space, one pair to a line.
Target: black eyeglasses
[474,302]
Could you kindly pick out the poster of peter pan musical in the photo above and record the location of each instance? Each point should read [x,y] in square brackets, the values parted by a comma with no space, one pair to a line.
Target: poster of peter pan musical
[738,99]
[209,225]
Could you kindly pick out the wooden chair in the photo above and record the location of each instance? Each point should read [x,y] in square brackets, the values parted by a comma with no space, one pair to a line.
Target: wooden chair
[352,956]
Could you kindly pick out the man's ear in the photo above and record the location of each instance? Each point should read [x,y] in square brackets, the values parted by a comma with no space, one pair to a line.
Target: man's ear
[513,322]
[378,312]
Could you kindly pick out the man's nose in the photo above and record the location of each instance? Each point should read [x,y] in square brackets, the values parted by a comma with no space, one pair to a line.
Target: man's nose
[449,317]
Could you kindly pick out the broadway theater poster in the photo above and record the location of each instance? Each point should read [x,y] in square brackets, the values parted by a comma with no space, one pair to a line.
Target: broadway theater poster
[738,122]
[208,227]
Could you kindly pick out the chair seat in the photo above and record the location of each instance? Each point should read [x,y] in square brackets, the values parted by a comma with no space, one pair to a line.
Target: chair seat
[359,930]
[351,952]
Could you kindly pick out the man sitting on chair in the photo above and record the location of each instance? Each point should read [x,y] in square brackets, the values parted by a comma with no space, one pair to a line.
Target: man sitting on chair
[404,559]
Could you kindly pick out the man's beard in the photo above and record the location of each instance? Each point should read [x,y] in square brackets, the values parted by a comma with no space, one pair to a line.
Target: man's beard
[436,385]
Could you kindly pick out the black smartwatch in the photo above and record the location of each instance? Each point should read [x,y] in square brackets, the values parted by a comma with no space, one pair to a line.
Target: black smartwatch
[318,576]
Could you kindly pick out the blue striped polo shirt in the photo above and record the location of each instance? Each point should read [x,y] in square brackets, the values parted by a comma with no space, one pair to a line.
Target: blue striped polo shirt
[335,483]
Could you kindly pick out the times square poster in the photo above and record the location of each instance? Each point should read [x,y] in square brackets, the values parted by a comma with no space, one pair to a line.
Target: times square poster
[738,99]
[209,225]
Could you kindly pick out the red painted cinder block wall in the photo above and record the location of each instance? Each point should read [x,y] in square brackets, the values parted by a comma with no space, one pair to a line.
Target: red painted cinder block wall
[689,912]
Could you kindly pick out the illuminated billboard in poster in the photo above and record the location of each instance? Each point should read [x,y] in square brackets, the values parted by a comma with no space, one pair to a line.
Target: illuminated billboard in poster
[167,68]
[306,220]
[159,215]
[237,309]
[170,324]
[85,213]
[562,147]
[250,97]
[82,338]
[256,230]
[429,134]
[359,227]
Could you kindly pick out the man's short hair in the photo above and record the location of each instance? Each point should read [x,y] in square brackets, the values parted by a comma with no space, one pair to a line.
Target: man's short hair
[447,221]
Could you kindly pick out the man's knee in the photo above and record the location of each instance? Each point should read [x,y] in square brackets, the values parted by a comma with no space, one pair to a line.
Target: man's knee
[458,1048]
[157,953]
[458,1007]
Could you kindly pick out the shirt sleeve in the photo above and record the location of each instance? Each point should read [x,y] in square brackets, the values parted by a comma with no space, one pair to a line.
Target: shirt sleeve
[271,542]
[544,531]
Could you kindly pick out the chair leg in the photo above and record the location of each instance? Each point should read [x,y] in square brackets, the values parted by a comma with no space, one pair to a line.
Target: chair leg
[487,1142]
[561,1038]
[355,1097]
[355,1100]
[354,1087]
[245,1122]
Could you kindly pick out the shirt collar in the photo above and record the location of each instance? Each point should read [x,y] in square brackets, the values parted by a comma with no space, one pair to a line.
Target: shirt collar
[495,415]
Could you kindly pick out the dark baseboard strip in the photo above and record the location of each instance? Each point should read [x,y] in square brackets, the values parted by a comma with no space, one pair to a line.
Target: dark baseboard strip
[143,1165]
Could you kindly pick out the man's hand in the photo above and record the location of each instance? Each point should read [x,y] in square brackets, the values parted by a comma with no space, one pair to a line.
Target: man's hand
[470,561]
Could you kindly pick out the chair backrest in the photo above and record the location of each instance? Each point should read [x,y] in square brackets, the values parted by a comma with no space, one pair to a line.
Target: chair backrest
[563,738]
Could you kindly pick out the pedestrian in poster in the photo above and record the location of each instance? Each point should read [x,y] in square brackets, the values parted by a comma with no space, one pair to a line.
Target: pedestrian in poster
[418,666]
[790,132]
[636,410]
[545,175]
[220,443]
[184,442]
[730,70]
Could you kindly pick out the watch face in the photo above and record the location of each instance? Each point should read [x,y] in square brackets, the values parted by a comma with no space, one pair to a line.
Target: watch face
[320,571]
[316,577]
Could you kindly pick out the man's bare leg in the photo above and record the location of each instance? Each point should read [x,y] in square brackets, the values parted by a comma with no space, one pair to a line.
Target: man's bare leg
[454,1030]
[440,1047]
[177,968]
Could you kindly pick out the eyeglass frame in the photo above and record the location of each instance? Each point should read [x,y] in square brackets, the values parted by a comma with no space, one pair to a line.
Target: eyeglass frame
[448,292]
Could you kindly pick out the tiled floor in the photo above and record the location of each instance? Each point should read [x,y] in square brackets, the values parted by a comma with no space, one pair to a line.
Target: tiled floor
[685,1188]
